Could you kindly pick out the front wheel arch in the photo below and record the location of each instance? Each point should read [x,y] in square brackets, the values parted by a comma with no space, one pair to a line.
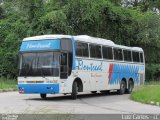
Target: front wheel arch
[79,84]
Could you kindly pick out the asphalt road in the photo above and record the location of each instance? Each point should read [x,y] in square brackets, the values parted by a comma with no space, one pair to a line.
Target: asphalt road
[13,102]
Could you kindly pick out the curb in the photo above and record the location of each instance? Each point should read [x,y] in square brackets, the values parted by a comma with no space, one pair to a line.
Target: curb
[8,90]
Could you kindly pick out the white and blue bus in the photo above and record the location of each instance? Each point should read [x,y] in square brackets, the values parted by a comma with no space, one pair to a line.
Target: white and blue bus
[64,64]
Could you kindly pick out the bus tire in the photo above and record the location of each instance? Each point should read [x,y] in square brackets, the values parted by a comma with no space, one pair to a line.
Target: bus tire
[43,96]
[122,89]
[94,92]
[130,86]
[74,91]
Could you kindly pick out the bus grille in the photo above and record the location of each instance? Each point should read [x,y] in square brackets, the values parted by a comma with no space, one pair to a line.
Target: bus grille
[35,81]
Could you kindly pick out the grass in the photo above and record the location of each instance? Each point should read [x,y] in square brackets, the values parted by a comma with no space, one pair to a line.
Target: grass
[7,83]
[148,93]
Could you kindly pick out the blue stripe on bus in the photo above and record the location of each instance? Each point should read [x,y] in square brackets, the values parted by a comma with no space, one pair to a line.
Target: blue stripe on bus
[124,71]
[38,88]
[74,52]
[40,45]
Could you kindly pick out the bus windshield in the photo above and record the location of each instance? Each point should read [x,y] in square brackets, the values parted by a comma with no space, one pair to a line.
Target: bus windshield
[39,64]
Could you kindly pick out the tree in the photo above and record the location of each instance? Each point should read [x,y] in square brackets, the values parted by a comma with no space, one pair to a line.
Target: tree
[1,13]
[126,22]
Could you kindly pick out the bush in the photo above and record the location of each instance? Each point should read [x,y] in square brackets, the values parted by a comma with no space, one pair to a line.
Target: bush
[148,94]
[152,72]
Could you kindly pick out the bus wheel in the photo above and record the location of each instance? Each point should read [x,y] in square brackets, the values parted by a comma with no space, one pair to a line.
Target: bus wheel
[94,92]
[74,91]
[122,89]
[130,86]
[43,96]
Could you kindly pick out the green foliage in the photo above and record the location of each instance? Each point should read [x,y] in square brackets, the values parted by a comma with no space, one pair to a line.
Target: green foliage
[7,83]
[54,22]
[100,18]
[148,94]
[153,71]
[1,12]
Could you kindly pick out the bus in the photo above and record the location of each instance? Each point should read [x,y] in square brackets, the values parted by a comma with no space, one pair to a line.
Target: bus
[65,64]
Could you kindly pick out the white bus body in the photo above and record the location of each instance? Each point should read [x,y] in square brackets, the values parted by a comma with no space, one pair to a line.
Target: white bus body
[56,64]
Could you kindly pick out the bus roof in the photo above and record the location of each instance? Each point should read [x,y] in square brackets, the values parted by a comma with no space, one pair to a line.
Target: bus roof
[86,38]
[44,37]
[83,38]
[105,42]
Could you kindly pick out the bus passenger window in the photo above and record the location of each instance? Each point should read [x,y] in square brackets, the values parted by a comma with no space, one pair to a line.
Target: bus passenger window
[92,51]
[107,53]
[82,49]
[85,50]
[95,51]
[98,52]
[78,49]
[135,56]
[118,54]
[127,55]
[141,56]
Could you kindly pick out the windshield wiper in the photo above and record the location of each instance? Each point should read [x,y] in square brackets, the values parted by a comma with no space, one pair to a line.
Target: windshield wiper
[42,73]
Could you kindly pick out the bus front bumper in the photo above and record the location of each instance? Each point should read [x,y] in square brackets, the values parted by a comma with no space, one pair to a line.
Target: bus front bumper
[38,88]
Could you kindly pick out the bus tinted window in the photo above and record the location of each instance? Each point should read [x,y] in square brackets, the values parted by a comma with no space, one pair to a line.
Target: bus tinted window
[98,52]
[118,54]
[66,44]
[141,56]
[95,51]
[127,55]
[82,49]
[107,53]
[136,57]
[92,51]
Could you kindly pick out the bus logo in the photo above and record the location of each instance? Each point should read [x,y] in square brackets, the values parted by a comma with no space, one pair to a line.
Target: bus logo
[90,67]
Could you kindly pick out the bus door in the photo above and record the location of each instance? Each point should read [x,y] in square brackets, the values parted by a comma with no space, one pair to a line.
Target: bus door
[64,65]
